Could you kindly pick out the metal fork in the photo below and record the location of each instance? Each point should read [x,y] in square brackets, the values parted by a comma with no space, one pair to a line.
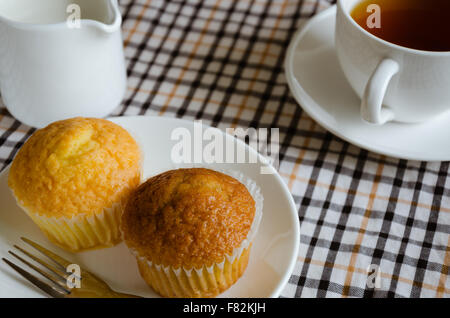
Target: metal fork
[91,286]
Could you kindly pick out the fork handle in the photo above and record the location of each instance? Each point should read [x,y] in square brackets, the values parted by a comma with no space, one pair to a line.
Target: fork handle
[99,293]
[115,294]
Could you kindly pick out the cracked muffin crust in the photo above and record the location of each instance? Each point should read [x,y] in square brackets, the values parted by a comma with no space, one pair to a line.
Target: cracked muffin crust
[188,218]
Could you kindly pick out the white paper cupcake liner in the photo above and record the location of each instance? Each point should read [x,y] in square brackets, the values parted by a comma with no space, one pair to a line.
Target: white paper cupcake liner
[81,232]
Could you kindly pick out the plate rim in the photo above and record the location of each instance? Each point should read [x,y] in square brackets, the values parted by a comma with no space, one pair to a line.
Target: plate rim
[301,96]
[293,213]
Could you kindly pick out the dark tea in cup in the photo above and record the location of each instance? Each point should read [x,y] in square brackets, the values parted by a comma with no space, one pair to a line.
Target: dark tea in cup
[416,24]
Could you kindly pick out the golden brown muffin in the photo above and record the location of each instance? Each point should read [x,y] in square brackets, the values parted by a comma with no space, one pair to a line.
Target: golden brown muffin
[185,226]
[72,176]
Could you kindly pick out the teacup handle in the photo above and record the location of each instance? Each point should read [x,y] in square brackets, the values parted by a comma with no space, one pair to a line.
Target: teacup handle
[372,109]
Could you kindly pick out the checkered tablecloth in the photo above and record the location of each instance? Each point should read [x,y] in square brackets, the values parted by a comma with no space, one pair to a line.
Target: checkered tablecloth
[222,61]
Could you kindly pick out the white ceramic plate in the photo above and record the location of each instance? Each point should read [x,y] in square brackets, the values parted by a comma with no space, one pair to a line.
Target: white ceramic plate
[272,257]
[320,87]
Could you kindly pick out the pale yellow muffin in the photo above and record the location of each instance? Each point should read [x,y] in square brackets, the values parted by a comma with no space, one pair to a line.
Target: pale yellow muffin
[73,177]
[187,229]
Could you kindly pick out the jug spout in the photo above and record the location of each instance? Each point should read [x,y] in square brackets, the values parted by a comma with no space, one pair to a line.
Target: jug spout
[111,18]
[116,18]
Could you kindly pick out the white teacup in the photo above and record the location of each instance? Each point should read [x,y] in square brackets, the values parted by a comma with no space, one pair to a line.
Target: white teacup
[395,83]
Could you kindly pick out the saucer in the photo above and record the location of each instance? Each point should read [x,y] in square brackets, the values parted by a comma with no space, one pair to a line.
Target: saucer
[318,84]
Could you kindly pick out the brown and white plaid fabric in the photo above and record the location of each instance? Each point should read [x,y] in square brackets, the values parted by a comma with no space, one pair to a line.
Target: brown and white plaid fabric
[222,61]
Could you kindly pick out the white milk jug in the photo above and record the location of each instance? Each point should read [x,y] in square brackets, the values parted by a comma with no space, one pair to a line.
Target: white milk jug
[60,59]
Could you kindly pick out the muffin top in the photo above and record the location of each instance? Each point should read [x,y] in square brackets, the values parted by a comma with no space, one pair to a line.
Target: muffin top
[75,166]
[188,217]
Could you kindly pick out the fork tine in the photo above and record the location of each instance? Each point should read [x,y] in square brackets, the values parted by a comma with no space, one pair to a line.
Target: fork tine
[55,270]
[55,280]
[35,281]
[55,258]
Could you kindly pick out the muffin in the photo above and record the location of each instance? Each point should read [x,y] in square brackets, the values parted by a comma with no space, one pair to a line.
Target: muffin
[191,231]
[73,177]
